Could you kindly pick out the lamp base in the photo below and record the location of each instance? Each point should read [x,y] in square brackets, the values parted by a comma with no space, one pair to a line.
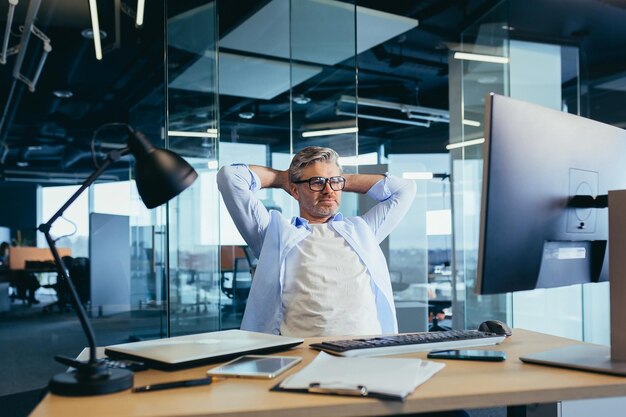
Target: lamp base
[72,385]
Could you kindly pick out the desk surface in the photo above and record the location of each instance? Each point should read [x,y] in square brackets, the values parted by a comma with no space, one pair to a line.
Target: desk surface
[18,255]
[461,384]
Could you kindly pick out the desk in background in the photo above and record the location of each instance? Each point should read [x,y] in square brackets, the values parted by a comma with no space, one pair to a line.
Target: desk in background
[460,385]
[21,272]
[18,255]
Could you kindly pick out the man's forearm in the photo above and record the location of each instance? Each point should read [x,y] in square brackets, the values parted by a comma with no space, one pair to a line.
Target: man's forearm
[271,178]
[361,183]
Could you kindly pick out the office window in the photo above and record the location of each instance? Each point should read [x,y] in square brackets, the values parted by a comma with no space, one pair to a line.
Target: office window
[73,227]
[420,250]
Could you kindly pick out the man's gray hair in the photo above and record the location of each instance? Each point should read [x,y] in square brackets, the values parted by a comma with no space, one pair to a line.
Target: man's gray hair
[310,155]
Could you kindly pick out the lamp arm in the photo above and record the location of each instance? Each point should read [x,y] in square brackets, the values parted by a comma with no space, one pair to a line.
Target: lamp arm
[111,157]
[80,311]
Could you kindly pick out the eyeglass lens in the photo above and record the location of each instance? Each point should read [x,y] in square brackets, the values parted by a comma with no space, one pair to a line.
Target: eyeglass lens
[318,183]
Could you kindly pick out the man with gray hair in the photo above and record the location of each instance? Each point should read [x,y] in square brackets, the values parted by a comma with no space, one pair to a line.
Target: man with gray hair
[320,274]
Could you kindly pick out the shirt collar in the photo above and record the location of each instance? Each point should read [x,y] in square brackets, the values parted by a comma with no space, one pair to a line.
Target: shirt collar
[302,222]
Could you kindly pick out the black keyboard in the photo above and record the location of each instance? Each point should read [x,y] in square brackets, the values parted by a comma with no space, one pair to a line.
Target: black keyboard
[409,343]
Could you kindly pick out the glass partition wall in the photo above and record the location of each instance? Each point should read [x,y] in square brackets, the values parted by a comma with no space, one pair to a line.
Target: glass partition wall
[470,82]
[192,126]
[268,80]
[282,75]
[277,82]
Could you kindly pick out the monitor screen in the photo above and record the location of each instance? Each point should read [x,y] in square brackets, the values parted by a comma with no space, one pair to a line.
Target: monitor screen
[535,159]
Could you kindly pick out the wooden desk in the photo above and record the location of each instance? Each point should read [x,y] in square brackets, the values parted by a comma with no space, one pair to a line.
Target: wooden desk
[18,255]
[461,384]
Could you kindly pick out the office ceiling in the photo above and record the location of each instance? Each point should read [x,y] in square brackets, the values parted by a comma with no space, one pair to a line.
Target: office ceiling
[403,49]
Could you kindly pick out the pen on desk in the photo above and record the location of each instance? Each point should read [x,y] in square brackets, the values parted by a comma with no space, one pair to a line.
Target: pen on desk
[174,384]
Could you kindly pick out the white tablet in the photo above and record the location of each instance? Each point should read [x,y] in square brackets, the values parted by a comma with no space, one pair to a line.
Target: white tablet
[255,366]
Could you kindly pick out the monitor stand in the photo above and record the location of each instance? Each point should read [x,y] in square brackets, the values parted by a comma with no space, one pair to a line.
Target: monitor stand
[596,358]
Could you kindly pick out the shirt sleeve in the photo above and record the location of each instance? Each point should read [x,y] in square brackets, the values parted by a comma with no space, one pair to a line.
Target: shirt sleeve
[395,196]
[237,185]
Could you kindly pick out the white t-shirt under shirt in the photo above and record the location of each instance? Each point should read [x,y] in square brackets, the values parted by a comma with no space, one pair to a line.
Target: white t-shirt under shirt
[327,289]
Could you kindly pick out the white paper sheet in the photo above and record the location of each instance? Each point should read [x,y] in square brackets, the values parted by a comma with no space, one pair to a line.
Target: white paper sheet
[388,376]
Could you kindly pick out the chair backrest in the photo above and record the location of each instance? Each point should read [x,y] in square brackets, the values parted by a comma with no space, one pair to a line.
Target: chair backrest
[78,269]
[239,261]
[252,260]
[228,254]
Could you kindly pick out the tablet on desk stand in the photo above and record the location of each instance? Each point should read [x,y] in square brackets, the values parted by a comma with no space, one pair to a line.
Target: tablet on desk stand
[193,350]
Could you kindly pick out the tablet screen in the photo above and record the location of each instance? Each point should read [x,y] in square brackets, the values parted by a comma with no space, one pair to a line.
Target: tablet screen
[256,366]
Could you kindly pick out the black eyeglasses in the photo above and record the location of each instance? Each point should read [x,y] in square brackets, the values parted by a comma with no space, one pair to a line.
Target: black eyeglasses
[318,183]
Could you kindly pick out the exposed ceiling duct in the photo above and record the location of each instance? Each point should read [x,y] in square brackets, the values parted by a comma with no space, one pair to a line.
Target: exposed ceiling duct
[409,114]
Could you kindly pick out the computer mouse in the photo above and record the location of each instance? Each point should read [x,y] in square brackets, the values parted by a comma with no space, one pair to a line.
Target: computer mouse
[495,326]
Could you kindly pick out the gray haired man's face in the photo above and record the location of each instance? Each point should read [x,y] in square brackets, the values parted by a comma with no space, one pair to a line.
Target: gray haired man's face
[317,206]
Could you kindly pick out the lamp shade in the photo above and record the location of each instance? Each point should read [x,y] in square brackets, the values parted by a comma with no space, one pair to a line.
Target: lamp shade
[160,175]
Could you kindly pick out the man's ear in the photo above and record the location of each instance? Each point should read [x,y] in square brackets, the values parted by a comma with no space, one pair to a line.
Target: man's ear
[293,190]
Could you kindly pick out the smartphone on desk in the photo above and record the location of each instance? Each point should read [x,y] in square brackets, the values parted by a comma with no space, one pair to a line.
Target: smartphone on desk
[469,354]
[255,366]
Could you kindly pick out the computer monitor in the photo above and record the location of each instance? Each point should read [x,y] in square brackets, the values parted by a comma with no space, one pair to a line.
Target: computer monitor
[535,160]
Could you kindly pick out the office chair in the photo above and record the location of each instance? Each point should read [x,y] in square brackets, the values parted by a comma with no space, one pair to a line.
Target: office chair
[78,269]
[24,282]
[434,309]
[238,262]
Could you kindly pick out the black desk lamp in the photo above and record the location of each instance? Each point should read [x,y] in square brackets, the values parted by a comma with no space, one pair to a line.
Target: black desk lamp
[160,175]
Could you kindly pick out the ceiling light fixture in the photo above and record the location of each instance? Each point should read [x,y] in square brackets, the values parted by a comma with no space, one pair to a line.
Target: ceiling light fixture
[210,133]
[481,58]
[95,26]
[487,79]
[427,117]
[328,132]
[206,143]
[469,122]
[140,8]
[465,144]
[62,93]
[7,31]
[301,99]
[417,175]
[382,119]
[412,112]
[28,29]
[246,115]
[88,34]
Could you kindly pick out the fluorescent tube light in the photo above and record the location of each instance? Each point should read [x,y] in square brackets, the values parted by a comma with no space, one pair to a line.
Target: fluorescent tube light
[95,27]
[471,123]
[327,132]
[482,58]
[139,18]
[7,31]
[210,133]
[417,175]
[466,143]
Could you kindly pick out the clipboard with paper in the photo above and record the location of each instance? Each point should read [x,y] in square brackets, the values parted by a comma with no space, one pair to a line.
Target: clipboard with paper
[384,378]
